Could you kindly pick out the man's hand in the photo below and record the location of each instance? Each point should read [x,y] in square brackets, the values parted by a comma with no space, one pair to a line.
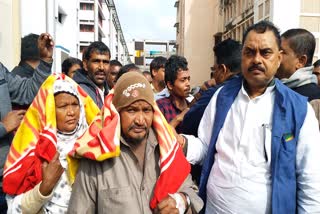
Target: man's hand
[12,120]
[51,173]
[46,45]
[208,84]
[179,118]
[167,205]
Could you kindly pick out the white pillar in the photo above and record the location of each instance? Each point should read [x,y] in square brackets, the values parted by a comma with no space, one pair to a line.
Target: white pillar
[96,20]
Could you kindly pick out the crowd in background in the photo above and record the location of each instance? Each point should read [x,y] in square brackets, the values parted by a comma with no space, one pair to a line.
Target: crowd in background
[247,140]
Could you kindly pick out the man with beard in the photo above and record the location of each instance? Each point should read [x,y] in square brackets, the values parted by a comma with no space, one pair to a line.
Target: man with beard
[157,73]
[296,70]
[92,78]
[258,140]
[151,175]
[177,78]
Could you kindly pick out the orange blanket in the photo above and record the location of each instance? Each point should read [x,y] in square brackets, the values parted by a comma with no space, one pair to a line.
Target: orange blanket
[102,141]
[35,140]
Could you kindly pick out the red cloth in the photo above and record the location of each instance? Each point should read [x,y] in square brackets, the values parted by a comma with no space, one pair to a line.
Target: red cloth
[30,173]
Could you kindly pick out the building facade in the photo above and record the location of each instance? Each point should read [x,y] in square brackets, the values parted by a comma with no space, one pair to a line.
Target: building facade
[196,24]
[144,51]
[229,19]
[74,24]
[10,41]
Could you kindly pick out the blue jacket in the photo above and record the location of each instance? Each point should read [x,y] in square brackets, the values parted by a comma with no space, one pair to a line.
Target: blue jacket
[289,112]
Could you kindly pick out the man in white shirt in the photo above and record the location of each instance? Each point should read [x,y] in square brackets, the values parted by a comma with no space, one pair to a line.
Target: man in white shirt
[258,140]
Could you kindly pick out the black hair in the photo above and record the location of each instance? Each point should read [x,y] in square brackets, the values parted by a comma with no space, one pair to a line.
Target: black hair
[228,52]
[302,42]
[29,47]
[97,47]
[146,72]
[115,62]
[68,63]
[316,63]
[157,63]
[173,66]
[262,27]
[126,68]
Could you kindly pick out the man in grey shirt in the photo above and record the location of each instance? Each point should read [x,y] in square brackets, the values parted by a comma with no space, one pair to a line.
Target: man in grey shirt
[131,182]
[14,89]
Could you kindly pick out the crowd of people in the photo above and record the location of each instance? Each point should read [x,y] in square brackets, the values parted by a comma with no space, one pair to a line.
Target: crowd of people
[106,137]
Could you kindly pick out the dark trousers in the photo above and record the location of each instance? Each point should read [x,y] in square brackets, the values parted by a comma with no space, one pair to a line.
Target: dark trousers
[3,202]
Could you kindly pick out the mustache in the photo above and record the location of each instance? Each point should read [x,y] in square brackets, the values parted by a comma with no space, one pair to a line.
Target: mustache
[100,72]
[137,127]
[256,67]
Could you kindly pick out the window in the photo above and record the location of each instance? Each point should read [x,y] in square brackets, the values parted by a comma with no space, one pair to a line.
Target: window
[61,18]
[82,48]
[260,13]
[267,8]
[61,15]
[310,6]
[86,28]
[310,23]
[86,6]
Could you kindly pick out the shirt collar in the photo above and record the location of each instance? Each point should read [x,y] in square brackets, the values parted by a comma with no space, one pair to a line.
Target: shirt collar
[269,90]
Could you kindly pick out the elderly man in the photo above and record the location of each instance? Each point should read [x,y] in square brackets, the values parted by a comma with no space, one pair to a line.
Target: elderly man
[258,140]
[151,168]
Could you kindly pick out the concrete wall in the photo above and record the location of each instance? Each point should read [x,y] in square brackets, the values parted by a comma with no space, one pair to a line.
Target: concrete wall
[285,20]
[199,29]
[38,16]
[67,32]
[33,20]
[86,15]
[9,33]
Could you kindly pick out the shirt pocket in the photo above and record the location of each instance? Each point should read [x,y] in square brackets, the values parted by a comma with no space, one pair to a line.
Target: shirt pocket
[288,143]
[287,156]
[115,200]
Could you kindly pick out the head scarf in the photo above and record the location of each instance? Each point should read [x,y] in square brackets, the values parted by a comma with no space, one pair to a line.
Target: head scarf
[102,138]
[36,139]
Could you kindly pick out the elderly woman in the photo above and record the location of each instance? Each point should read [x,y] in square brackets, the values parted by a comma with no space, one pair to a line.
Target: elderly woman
[36,175]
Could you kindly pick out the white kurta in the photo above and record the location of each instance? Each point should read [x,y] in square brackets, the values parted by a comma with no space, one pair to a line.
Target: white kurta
[240,178]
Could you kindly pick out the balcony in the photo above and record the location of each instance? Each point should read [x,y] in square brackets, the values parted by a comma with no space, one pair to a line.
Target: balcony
[86,15]
[86,36]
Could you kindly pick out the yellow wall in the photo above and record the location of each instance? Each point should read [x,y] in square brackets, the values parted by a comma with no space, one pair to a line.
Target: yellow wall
[200,26]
